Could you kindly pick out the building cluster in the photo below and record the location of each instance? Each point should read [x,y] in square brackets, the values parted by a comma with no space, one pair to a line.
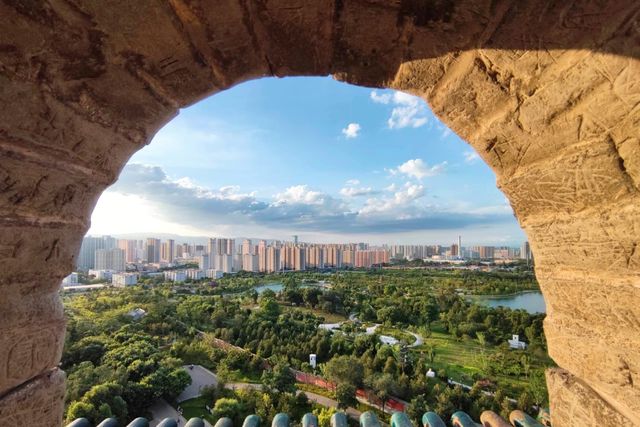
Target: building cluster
[458,252]
[294,256]
[121,260]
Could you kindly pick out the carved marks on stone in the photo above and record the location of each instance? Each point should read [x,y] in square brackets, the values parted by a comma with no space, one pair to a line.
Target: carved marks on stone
[574,401]
[586,177]
[39,402]
[569,240]
[37,250]
[25,353]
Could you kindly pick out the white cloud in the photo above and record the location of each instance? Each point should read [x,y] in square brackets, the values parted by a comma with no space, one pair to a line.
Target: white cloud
[383,98]
[398,205]
[417,168]
[408,110]
[351,189]
[161,203]
[356,192]
[300,194]
[470,156]
[352,130]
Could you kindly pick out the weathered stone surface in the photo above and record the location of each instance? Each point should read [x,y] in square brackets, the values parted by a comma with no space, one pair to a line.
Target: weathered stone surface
[547,93]
[29,345]
[573,403]
[37,251]
[37,403]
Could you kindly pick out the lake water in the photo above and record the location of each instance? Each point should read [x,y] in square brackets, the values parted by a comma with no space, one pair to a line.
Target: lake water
[533,302]
[277,286]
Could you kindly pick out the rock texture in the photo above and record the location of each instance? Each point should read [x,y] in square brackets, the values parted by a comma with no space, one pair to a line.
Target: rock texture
[547,92]
[38,402]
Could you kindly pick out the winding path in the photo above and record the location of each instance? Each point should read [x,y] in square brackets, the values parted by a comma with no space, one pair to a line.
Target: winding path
[202,377]
[372,329]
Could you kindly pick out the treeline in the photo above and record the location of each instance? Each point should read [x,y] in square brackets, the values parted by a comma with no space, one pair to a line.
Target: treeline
[115,365]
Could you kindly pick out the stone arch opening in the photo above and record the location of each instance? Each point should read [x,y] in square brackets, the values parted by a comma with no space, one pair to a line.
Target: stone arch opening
[545,92]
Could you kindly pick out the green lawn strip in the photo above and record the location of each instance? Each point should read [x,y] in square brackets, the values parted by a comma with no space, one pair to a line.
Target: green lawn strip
[196,408]
[315,389]
[240,376]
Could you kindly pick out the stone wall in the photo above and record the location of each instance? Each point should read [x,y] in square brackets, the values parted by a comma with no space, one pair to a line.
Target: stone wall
[546,92]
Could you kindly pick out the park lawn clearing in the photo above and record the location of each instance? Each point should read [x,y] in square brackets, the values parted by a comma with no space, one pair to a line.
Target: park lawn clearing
[461,359]
[196,407]
[328,317]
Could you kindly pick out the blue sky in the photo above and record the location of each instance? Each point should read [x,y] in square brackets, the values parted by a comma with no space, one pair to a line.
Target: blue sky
[325,160]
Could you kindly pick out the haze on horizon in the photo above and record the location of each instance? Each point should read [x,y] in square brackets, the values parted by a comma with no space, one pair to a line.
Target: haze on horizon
[313,157]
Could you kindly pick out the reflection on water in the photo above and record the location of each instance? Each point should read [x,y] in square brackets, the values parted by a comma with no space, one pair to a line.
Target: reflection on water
[533,302]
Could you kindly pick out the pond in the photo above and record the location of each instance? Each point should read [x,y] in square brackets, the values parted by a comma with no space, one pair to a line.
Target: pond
[278,286]
[533,302]
[275,287]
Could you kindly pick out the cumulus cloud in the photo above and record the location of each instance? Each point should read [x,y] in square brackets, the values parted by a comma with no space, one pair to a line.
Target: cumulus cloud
[383,98]
[351,189]
[408,110]
[351,131]
[357,192]
[300,207]
[470,156]
[398,204]
[417,168]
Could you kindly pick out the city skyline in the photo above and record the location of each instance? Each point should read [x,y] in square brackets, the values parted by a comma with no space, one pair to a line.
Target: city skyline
[104,255]
[343,162]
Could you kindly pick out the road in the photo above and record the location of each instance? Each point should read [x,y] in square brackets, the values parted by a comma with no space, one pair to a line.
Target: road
[201,377]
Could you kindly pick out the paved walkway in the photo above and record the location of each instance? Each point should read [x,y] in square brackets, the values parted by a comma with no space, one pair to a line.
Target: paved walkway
[200,377]
[161,410]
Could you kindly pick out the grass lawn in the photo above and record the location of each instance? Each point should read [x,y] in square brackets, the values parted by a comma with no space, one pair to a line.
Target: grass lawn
[239,376]
[328,317]
[315,389]
[196,408]
[462,359]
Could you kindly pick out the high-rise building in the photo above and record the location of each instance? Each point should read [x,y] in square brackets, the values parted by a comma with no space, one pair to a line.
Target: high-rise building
[300,262]
[110,259]
[486,252]
[525,252]
[167,251]
[203,262]
[153,250]
[348,258]
[87,256]
[333,257]
[315,257]
[455,250]
[262,256]
[459,246]
[273,259]
[219,250]
[247,247]
[250,262]
[130,248]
